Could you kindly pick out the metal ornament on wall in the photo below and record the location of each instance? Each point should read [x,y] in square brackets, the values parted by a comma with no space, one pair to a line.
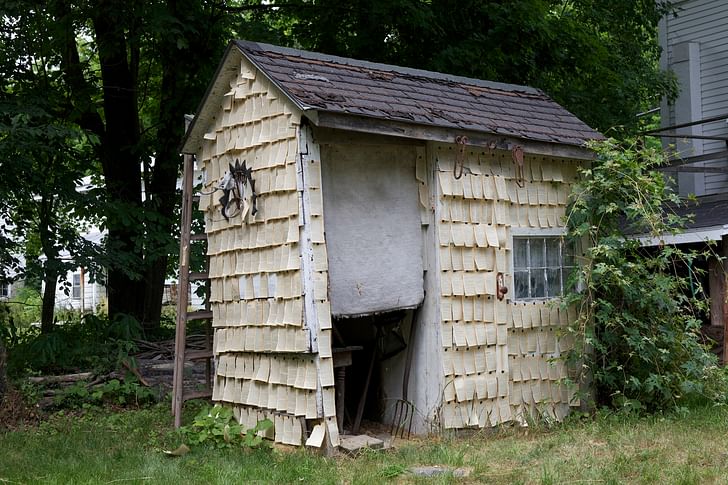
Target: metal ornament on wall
[233,186]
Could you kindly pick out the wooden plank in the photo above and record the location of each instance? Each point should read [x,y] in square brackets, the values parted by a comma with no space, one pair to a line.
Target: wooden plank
[724,297]
[199,315]
[198,237]
[180,336]
[199,276]
[447,135]
[83,376]
[309,151]
[716,281]
[204,394]
[198,355]
[331,136]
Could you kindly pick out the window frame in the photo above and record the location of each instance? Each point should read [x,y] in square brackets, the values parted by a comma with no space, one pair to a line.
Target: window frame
[76,287]
[563,269]
[4,290]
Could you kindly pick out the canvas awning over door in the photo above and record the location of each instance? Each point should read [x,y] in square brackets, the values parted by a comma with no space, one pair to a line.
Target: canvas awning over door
[373,231]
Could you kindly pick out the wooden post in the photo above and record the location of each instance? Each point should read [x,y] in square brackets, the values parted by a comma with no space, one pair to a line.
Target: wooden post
[83,291]
[183,294]
[724,296]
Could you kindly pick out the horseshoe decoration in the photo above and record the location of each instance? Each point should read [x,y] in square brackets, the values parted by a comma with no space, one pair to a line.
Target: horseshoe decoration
[233,188]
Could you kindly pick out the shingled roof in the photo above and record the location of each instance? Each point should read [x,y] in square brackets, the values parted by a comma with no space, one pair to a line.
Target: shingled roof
[346,86]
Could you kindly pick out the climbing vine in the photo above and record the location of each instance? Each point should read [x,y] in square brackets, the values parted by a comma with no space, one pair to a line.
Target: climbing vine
[640,307]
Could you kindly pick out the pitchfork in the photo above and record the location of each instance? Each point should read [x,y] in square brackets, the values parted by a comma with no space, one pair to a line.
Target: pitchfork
[404,410]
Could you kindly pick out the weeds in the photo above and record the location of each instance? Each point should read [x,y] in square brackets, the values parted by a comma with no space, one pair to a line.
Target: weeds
[217,426]
[122,393]
[96,446]
[82,341]
[640,311]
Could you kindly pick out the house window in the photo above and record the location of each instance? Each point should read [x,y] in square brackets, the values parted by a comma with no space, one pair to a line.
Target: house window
[76,287]
[541,267]
[4,290]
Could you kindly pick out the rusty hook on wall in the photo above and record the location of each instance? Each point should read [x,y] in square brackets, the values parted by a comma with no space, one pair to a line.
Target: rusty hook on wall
[462,141]
[517,154]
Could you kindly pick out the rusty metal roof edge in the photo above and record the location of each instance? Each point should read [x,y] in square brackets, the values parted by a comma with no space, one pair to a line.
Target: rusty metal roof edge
[347,61]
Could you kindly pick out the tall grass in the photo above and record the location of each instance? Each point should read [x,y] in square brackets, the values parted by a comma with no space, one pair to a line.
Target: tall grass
[126,447]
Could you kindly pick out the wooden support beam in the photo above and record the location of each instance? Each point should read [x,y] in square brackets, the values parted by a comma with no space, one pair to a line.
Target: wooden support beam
[447,135]
[180,337]
[724,296]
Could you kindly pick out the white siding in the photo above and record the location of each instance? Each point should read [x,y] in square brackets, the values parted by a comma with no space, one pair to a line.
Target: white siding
[704,22]
[88,297]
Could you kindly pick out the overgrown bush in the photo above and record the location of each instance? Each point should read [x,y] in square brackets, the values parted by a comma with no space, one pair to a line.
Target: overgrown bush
[81,341]
[639,308]
[24,307]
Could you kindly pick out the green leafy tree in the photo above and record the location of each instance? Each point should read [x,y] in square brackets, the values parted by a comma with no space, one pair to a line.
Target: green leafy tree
[126,73]
[599,59]
[639,309]
[43,158]
[4,314]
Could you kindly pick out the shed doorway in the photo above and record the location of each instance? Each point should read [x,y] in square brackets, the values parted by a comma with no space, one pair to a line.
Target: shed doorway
[368,388]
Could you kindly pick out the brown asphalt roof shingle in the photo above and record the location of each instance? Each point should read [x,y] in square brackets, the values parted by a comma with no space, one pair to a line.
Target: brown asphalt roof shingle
[348,86]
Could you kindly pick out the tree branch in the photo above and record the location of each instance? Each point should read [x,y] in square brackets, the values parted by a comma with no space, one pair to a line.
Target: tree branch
[88,116]
[268,6]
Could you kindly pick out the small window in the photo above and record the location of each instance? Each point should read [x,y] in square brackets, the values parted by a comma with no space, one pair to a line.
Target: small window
[4,290]
[541,267]
[76,288]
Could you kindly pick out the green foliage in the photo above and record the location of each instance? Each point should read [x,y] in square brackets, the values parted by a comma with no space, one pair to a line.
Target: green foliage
[609,449]
[97,90]
[23,308]
[82,341]
[122,393]
[218,427]
[599,59]
[639,308]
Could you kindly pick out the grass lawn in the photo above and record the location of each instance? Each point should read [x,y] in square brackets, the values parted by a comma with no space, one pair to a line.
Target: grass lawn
[125,447]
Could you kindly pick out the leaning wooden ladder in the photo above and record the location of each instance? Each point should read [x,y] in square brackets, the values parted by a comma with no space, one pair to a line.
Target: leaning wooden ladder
[181,353]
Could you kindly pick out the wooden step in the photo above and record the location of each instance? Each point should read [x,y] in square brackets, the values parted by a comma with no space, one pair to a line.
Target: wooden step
[198,237]
[204,394]
[197,276]
[199,315]
[198,354]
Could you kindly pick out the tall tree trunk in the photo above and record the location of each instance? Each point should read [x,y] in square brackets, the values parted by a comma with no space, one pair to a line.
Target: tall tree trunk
[177,93]
[50,268]
[121,162]
[166,168]
[50,278]
[3,370]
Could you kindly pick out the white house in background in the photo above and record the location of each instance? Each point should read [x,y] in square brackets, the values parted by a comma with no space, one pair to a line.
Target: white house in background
[695,47]
[79,292]
[10,290]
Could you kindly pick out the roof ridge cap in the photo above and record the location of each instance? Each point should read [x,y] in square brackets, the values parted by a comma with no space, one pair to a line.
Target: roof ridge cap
[248,46]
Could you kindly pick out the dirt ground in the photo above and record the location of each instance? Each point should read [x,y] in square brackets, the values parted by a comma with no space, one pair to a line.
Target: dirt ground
[16,413]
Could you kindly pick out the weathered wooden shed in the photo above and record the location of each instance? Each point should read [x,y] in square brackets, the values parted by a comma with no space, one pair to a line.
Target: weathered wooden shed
[383,193]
